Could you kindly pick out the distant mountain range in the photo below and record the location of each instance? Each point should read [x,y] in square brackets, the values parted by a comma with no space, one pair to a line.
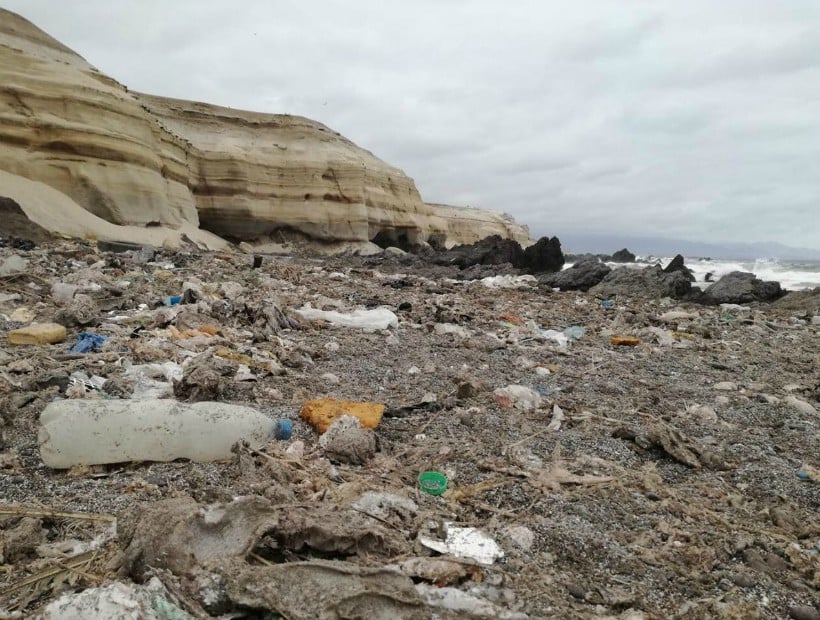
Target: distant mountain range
[579,243]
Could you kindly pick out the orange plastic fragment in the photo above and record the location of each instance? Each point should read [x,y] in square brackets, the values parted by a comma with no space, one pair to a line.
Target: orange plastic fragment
[321,413]
[626,341]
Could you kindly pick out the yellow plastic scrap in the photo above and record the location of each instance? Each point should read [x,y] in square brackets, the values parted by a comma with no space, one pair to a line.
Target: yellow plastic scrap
[38,333]
[322,413]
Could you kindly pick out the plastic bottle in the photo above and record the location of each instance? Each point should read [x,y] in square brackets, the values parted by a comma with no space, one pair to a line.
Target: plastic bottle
[91,432]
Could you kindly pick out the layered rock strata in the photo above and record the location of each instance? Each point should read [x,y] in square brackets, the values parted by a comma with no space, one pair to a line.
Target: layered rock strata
[139,160]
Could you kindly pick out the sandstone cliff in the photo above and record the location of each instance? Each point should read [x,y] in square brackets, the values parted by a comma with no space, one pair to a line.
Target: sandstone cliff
[136,160]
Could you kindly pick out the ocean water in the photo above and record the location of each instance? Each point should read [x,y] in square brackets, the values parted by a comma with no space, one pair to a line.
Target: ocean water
[792,275]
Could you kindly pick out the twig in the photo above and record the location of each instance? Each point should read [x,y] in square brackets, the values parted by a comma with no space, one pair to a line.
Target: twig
[23,511]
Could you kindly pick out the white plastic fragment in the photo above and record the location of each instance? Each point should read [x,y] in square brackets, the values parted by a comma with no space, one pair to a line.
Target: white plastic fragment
[674,316]
[466,605]
[115,600]
[505,281]
[517,396]
[153,380]
[443,329]
[465,542]
[557,418]
[368,320]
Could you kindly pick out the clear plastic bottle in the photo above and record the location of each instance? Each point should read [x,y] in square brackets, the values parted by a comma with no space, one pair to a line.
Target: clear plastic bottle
[91,432]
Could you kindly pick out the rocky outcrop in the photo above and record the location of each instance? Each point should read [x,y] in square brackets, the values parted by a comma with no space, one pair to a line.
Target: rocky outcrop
[139,160]
[677,264]
[582,276]
[543,256]
[739,287]
[649,282]
[623,256]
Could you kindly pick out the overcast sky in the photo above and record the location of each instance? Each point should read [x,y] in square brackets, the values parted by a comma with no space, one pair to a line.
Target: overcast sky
[697,120]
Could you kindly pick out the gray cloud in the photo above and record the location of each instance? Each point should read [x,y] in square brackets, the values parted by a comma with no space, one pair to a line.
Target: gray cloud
[697,120]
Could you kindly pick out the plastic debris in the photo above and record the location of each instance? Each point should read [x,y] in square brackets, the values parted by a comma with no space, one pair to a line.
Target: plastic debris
[322,413]
[575,332]
[385,505]
[808,473]
[88,342]
[433,482]
[283,429]
[13,264]
[38,333]
[625,341]
[368,320]
[465,542]
[517,396]
[505,281]
[557,418]
[90,432]
[466,605]
[116,600]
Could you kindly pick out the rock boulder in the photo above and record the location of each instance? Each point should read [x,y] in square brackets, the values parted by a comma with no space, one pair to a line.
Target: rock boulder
[582,276]
[648,282]
[740,287]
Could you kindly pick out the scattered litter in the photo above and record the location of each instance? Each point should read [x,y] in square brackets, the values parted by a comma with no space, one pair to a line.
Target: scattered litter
[517,396]
[22,315]
[433,482]
[89,432]
[367,320]
[505,281]
[321,413]
[116,600]
[465,542]
[625,341]
[385,506]
[557,418]
[465,604]
[283,429]
[38,333]
[88,342]
[808,473]
[323,589]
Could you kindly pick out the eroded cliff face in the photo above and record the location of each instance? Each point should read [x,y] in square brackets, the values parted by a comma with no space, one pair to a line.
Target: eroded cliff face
[140,160]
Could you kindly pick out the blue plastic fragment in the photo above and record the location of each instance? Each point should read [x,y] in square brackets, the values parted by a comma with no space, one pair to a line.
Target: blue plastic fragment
[283,429]
[88,342]
[172,301]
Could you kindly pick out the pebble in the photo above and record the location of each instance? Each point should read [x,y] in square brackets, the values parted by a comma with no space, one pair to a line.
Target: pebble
[725,386]
[744,580]
[800,405]
[804,612]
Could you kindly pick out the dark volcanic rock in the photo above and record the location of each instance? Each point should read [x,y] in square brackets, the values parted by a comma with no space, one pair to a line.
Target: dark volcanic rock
[489,251]
[647,282]
[582,276]
[740,287]
[544,255]
[623,256]
[677,265]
